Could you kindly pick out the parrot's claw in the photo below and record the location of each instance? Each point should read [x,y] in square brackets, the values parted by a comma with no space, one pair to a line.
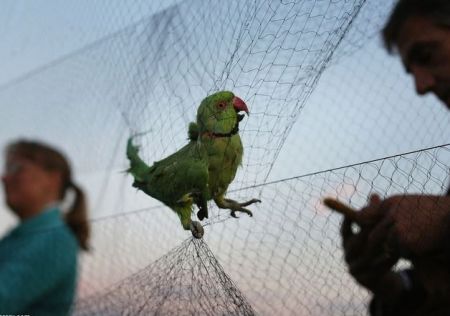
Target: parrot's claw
[197,229]
[236,206]
[250,202]
[201,214]
[243,210]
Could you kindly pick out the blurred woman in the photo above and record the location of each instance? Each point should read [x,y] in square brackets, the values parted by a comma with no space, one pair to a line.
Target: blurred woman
[38,258]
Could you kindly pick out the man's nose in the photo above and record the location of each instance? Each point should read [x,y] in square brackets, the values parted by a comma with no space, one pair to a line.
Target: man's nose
[424,80]
[5,176]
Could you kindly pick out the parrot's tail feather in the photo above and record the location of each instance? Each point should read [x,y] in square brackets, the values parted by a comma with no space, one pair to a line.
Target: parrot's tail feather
[138,168]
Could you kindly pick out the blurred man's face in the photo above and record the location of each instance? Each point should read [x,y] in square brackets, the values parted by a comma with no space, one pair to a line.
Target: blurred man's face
[425,51]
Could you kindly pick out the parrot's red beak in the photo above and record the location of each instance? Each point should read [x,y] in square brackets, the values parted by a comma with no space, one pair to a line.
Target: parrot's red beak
[240,105]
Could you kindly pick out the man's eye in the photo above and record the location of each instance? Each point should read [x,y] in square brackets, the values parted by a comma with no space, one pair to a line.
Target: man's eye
[424,57]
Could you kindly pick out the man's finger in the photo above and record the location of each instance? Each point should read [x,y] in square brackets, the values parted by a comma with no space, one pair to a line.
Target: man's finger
[374,199]
[372,212]
[341,208]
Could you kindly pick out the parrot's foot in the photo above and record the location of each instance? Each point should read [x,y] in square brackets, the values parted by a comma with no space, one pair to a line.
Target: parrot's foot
[249,202]
[195,197]
[236,206]
[197,229]
[202,214]
[243,210]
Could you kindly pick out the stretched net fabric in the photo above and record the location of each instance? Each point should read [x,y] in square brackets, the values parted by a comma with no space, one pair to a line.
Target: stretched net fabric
[188,280]
[330,115]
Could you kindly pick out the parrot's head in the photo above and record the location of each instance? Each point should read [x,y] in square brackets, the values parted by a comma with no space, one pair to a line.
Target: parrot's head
[219,113]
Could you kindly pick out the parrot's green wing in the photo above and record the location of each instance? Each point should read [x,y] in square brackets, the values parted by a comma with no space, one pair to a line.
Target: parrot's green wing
[169,180]
[179,181]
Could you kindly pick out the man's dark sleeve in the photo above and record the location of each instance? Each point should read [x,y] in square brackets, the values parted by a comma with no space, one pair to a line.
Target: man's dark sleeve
[409,302]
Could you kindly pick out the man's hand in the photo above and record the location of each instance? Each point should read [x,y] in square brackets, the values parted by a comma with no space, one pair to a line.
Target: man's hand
[368,258]
[367,261]
[409,226]
[419,224]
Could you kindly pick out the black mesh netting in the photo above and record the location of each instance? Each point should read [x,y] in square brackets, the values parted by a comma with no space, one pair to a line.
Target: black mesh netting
[330,115]
[186,281]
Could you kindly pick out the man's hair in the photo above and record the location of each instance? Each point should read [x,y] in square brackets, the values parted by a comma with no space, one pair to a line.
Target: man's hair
[438,11]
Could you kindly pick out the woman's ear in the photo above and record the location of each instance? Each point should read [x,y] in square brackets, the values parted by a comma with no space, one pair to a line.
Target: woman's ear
[56,181]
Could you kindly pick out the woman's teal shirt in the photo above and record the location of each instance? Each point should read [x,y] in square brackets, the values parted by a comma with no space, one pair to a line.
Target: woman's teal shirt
[38,267]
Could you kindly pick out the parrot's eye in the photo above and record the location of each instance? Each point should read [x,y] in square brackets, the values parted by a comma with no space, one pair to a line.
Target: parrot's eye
[221,105]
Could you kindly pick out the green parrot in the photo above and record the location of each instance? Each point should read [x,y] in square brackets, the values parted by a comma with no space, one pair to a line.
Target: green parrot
[201,170]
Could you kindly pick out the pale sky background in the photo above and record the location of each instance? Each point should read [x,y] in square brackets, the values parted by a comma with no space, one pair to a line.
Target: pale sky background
[84,75]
